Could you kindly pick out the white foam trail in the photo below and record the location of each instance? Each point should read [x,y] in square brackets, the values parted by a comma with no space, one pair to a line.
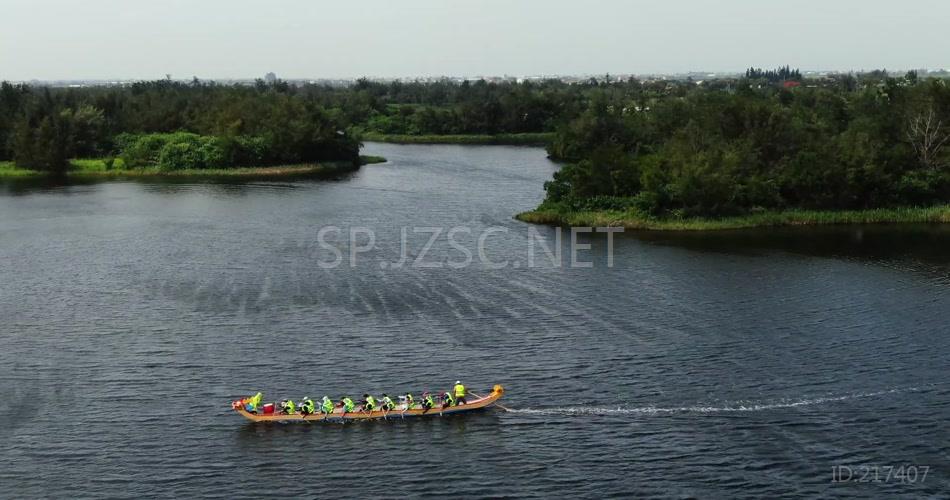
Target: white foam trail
[651,410]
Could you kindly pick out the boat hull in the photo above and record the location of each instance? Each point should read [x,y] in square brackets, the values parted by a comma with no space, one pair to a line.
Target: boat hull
[478,403]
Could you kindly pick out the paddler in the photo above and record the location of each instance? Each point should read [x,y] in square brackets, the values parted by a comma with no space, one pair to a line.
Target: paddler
[447,400]
[348,404]
[288,407]
[252,403]
[427,402]
[459,391]
[306,406]
[326,405]
[369,402]
[409,401]
[388,403]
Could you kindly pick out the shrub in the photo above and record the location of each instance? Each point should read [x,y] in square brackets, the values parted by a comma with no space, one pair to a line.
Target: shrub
[142,150]
[189,151]
[180,150]
[244,150]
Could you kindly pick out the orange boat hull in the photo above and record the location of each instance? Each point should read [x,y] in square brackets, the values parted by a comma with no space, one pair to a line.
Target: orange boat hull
[475,404]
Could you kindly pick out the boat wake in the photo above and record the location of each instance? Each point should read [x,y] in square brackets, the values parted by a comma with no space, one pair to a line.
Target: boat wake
[730,408]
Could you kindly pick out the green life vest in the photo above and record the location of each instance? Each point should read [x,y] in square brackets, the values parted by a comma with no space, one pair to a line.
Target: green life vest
[291,408]
[327,406]
[348,405]
[449,399]
[409,401]
[459,391]
[388,403]
[370,403]
[306,406]
[429,401]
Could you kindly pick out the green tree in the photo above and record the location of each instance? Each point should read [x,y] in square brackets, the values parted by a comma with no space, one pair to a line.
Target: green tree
[43,143]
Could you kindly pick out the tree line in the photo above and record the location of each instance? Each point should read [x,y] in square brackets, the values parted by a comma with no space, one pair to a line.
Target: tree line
[197,124]
[782,74]
[845,143]
[666,147]
[479,107]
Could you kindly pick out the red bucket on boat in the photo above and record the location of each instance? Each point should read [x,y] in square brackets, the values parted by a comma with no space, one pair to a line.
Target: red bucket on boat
[268,409]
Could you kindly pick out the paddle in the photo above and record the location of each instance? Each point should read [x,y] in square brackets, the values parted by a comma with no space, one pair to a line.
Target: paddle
[386,407]
[408,407]
[343,415]
[443,404]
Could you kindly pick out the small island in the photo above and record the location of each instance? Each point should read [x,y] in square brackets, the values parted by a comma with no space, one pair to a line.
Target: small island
[171,129]
[114,168]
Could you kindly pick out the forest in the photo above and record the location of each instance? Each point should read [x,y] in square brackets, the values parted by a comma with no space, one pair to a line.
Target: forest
[851,144]
[766,140]
[479,107]
[171,125]
[185,125]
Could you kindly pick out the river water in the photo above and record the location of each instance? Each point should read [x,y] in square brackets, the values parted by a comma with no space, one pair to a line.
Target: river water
[735,364]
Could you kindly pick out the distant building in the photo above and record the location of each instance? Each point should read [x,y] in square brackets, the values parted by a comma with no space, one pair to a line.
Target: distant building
[270,77]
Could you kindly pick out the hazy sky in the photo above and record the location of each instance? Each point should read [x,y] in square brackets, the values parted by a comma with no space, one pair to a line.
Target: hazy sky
[62,39]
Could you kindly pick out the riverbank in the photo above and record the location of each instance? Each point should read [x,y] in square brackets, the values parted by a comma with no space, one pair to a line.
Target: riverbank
[636,220]
[370,159]
[531,139]
[97,168]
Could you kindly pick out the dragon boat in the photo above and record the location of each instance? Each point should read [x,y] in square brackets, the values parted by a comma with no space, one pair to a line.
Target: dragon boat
[473,403]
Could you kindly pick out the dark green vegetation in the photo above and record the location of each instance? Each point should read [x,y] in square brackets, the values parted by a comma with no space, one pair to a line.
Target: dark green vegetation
[465,110]
[116,168]
[754,148]
[370,159]
[171,125]
[635,219]
[185,150]
[200,125]
[785,74]
[643,153]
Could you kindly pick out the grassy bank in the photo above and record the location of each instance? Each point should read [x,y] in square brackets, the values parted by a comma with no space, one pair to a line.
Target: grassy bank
[533,139]
[370,159]
[635,220]
[90,168]
[9,171]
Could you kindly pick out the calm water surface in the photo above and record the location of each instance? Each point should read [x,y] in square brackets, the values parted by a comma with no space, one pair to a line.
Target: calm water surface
[737,364]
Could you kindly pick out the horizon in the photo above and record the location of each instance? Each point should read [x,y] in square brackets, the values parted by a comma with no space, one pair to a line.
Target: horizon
[409,78]
[216,40]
